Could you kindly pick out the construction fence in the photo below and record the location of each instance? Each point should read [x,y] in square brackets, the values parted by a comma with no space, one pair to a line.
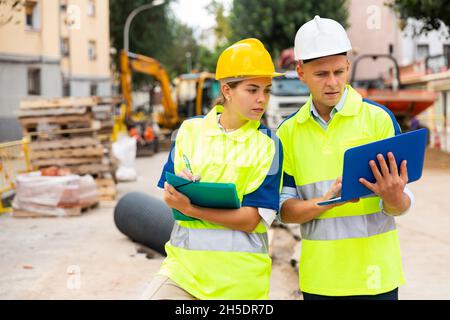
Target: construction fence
[14,160]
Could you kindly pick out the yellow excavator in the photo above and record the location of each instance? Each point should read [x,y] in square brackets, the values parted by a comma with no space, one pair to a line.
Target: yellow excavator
[195,93]
[131,62]
[193,96]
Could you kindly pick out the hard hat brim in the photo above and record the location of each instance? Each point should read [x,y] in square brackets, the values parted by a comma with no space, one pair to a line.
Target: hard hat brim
[323,54]
[249,76]
[278,74]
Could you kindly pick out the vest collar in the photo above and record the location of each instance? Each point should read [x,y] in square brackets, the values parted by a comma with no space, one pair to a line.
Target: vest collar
[212,128]
[351,107]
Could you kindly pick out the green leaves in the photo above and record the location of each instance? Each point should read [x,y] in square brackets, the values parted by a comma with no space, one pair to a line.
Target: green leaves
[154,33]
[275,22]
[432,13]
[157,33]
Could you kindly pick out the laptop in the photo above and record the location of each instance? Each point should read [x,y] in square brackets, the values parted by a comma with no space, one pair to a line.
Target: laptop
[408,146]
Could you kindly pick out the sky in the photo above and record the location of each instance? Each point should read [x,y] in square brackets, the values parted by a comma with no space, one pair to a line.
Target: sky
[194,14]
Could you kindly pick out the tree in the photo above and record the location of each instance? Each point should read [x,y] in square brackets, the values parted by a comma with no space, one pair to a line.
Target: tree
[183,43]
[149,27]
[152,33]
[432,13]
[222,28]
[207,59]
[275,22]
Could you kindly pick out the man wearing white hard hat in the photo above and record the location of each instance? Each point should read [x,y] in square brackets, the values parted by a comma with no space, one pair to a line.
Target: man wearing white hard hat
[349,250]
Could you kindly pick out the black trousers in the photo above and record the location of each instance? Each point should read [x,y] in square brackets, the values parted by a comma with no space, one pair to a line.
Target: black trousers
[391,295]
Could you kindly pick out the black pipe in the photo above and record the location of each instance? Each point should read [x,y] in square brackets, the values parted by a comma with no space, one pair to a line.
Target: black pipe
[144,219]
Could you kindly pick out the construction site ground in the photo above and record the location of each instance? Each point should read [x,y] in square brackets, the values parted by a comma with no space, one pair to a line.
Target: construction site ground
[86,257]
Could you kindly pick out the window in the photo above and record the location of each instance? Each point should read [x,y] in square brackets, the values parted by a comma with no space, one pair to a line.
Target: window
[446,50]
[92,50]
[391,49]
[93,89]
[446,53]
[32,15]
[423,51]
[65,50]
[63,5]
[29,19]
[289,86]
[66,88]
[91,8]
[34,82]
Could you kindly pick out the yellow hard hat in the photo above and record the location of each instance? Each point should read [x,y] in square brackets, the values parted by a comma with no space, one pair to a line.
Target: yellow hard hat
[245,58]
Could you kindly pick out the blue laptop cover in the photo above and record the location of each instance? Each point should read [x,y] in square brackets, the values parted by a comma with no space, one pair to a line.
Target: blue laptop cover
[408,146]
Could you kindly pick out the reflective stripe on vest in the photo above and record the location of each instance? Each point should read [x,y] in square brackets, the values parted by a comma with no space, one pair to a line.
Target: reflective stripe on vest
[314,190]
[317,190]
[347,227]
[219,240]
[359,226]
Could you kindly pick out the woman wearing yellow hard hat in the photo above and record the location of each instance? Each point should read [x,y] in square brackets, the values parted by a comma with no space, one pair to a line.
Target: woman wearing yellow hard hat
[223,253]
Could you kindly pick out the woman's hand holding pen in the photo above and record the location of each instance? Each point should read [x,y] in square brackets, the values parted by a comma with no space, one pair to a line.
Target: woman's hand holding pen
[186,174]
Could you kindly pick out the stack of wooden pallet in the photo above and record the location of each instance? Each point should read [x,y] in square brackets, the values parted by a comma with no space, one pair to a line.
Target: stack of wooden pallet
[73,133]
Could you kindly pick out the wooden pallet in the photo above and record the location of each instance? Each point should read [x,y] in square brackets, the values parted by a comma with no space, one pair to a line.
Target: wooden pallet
[84,120]
[103,112]
[73,132]
[92,169]
[107,189]
[55,132]
[96,151]
[59,102]
[67,212]
[114,100]
[64,143]
[52,112]
[64,162]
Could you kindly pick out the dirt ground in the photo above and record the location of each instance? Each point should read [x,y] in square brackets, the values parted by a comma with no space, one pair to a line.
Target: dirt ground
[437,159]
[86,257]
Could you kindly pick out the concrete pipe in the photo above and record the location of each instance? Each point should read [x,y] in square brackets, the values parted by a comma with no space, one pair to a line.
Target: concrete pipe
[144,219]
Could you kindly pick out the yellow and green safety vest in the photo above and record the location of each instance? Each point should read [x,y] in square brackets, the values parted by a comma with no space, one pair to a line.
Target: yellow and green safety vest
[351,249]
[208,260]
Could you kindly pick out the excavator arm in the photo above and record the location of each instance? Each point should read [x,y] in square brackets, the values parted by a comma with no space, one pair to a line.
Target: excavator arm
[131,62]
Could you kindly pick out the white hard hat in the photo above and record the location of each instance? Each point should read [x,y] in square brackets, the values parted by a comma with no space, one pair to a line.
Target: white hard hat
[320,37]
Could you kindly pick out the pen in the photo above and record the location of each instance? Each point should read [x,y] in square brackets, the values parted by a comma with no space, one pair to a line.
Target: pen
[188,165]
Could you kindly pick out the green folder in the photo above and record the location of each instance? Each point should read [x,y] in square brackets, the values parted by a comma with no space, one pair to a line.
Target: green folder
[204,194]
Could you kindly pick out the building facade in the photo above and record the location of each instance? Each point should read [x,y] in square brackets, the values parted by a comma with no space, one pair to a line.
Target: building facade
[423,60]
[374,28]
[52,48]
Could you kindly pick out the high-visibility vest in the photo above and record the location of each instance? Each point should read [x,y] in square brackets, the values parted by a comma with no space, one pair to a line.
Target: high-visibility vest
[351,249]
[208,260]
